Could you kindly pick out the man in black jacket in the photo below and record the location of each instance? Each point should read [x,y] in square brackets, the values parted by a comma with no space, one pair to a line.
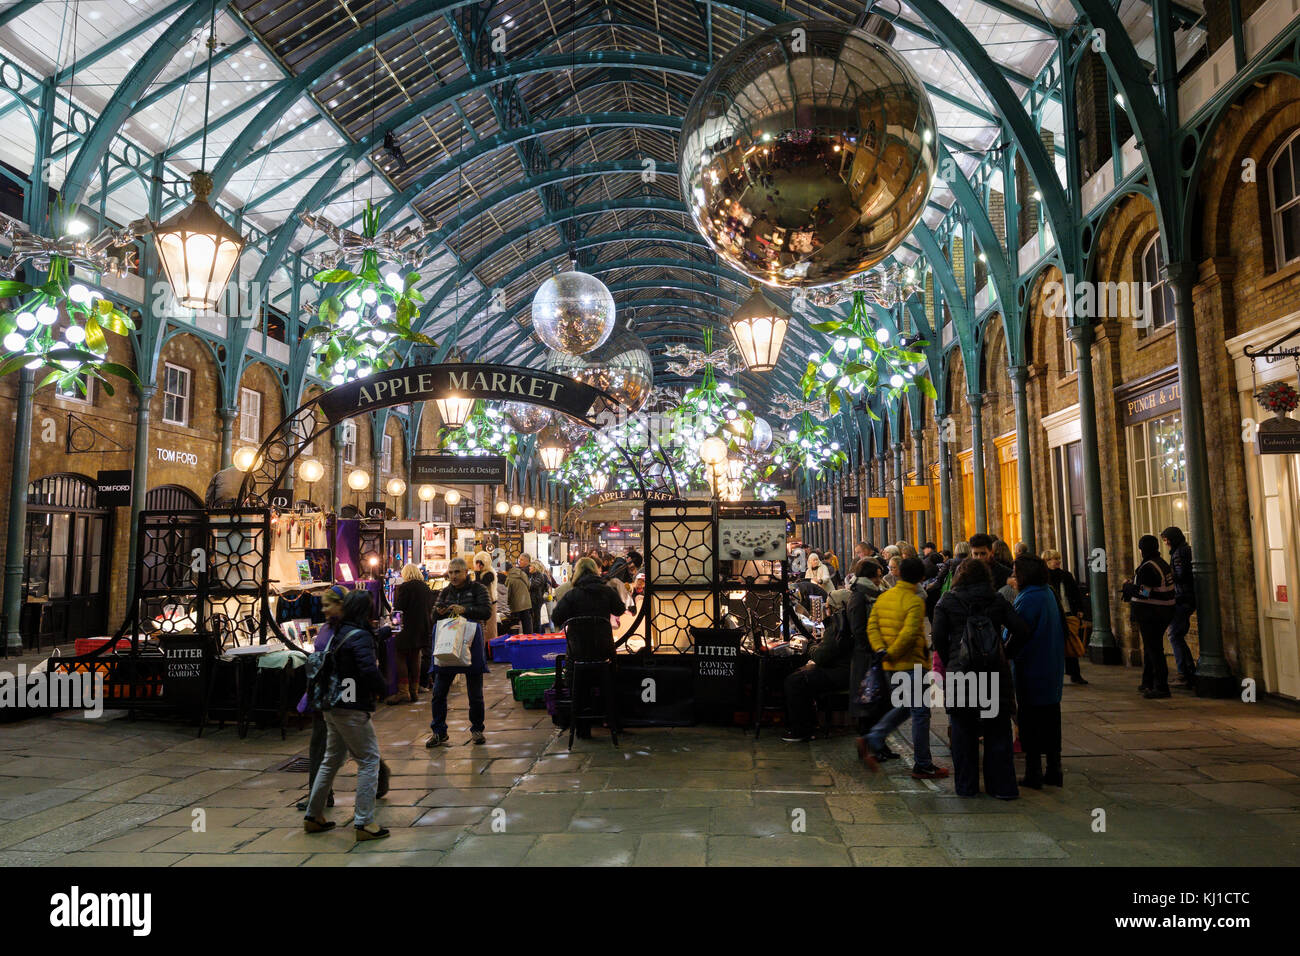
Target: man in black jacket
[1180,562]
[827,672]
[981,549]
[468,599]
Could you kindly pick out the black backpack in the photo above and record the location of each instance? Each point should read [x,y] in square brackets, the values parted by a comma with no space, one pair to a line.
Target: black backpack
[980,648]
[325,689]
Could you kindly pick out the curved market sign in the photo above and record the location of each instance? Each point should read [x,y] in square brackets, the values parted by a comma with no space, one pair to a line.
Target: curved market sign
[492,383]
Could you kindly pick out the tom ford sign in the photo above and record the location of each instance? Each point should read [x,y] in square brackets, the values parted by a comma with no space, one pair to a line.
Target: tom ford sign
[493,383]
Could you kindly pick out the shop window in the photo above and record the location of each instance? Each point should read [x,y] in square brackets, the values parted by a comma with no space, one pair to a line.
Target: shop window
[1009,483]
[250,415]
[349,443]
[1158,300]
[386,456]
[176,395]
[1158,470]
[967,461]
[1284,195]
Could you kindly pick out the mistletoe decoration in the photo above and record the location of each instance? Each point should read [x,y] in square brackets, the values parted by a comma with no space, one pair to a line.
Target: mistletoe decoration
[863,358]
[1279,398]
[75,354]
[371,312]
[808,446]
[485,432]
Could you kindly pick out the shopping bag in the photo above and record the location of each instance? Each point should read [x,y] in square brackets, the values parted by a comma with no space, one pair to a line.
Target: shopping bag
[453,642]
[1074,636]
[874,685]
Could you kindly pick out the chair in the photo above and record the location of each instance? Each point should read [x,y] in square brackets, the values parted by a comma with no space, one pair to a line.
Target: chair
[589,649]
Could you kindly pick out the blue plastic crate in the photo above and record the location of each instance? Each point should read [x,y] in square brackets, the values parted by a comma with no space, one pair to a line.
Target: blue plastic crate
[527,651]
[500,652]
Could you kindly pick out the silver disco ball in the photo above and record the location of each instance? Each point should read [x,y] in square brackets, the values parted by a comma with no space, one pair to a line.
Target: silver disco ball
[573,312]
[622,368]
[526,419]
[574,433]
[806,158]
[760,438]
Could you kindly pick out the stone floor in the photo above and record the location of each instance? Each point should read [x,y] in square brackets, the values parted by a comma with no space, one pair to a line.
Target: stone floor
[1180,782]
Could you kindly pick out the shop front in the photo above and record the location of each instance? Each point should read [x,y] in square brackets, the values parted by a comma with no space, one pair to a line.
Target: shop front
[1069,526]
[1263,359]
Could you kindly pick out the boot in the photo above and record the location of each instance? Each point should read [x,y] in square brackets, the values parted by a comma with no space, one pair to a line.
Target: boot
[399,696]
[1033,771]
[415,692]
[1053,776]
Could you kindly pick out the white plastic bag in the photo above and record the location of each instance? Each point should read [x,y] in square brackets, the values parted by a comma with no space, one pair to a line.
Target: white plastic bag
[453,642]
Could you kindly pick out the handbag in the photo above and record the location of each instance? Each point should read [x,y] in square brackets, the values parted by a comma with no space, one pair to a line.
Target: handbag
[1073,636]
[453,642]
[874,686]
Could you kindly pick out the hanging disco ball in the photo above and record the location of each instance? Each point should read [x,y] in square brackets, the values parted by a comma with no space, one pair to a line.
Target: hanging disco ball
[526,419]
[807,154]
[574,433]
[761,436]
[573,312]
[622,368]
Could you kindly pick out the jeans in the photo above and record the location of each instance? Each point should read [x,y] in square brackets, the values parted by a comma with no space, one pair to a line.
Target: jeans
[350,732]
[999,765]
[316,749]
[802,689]
[1177,632]
[473,688]
[896,715]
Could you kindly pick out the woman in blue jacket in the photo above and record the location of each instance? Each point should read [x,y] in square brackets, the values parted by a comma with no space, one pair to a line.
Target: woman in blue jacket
[1039,673]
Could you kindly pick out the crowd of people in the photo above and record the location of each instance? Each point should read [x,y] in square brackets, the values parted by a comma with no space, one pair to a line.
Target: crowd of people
[1009,626]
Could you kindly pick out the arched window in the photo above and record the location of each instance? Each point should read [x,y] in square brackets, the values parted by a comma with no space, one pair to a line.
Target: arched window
[1284,196]
[1159,299]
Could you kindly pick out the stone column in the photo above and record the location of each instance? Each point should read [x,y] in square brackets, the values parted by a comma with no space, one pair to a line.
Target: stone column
[1213,676]
[139,481]
[1102,648]
[976,402]
[228,416]
[945,486]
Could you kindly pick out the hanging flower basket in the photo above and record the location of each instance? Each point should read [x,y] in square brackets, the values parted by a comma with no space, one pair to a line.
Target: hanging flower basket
[1279,398]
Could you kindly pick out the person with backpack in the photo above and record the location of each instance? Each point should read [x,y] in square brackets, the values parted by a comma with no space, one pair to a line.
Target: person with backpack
[1152,600]
[346,688]
[331,605]
[1180,564]
[1039,671]
[970,619]
[897,627]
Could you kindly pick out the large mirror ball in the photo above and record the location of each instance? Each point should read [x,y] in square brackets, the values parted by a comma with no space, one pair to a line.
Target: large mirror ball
[622,367]
[806,158]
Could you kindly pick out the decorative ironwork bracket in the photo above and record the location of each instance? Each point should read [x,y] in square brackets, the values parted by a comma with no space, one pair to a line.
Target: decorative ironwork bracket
[77,429]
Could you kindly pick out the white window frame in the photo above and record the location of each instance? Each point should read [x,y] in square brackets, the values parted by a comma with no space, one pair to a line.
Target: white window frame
[1275,210]
[1157,288]
[386,455]
[307,424]
[1137,435]
[349,443]
[183,396]
[75,395]
[250,421]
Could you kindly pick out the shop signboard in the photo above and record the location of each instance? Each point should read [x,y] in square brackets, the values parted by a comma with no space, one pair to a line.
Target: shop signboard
[877,507]
[850,505]
[467,516]
[458,469]
[114,488]
[185,671]
[825,512]
[1150,397]
[281,500]
[916,497]
[627,494]
[376,509]
[751,539]
[1276,436]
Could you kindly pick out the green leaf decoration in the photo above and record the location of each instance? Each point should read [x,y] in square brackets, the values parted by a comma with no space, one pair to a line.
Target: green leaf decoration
[335,275]
[11,289]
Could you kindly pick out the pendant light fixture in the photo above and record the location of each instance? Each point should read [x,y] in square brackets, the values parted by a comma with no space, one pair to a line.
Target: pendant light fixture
[197,248]
[551,448]
[759,328]
[454,409]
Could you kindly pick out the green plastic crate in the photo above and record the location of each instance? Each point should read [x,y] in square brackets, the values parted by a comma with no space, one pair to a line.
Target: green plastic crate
[529,686]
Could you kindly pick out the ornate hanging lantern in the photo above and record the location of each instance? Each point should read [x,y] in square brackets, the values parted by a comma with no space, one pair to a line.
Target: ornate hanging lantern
[759,328]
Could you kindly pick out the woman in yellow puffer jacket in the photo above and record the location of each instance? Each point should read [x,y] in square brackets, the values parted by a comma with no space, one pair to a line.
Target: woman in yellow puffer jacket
[897,627]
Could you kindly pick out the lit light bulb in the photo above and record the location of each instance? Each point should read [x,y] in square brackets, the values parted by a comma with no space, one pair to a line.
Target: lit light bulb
[75,334]
[393,281]
[830,369]
[15,342]
[25,321]
[353,300]
[383,312]
[349,318]
[896,380]
[47,315]
[452,497]
[882,335]
[369,296]
[79,293]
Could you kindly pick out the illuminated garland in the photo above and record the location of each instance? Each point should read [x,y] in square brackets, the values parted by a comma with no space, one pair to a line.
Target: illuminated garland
[359,326]
[808,446]
[485,432]
[28,334]
[862,358]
